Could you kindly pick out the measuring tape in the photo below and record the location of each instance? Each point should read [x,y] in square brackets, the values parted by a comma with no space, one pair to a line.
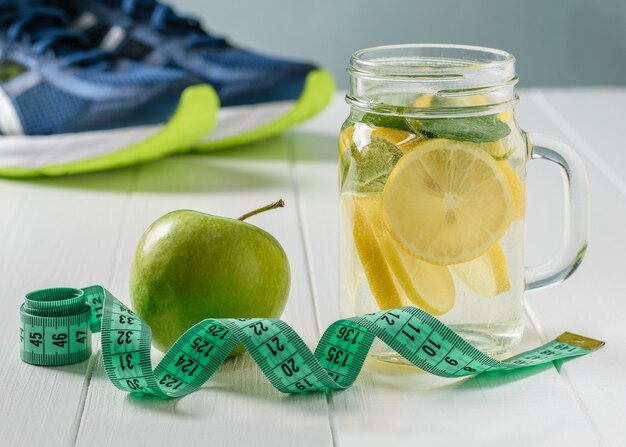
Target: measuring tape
[57,324]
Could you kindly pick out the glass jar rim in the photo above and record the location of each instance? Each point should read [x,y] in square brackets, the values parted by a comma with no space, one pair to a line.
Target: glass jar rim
[482,78]
[388,61]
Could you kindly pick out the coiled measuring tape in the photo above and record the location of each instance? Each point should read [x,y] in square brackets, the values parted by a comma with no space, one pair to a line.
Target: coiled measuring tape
[57,324]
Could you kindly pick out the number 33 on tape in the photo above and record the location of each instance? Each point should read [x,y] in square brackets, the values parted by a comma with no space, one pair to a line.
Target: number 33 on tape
[56,327]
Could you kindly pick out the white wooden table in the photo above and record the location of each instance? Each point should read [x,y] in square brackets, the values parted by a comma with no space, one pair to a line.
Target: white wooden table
[82,230]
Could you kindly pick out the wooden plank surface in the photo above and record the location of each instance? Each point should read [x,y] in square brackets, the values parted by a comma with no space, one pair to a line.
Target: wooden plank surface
[81,230]
[54,232]
[593,120]
[238,406]
[592,300]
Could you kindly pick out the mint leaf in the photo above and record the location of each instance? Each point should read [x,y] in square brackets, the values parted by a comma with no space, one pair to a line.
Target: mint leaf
[367,170]
[477,129]
[392,122]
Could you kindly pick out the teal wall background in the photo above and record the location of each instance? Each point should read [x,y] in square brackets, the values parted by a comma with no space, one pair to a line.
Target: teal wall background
[556,42]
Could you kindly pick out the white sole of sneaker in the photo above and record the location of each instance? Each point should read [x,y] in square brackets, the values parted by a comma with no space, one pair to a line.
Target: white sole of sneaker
[237,120]
[73,153]
[33,152]
[237,125]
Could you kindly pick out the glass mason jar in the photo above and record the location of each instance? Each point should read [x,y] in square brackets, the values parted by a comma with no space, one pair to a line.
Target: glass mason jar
[432,192]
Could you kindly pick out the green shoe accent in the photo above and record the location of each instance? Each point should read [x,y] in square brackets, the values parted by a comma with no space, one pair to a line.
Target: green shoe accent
[193,119]
[317,93]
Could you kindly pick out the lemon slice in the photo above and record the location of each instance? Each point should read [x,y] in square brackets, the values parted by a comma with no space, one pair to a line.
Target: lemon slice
[372,258]
[406,141]
[505,116]
[447,202]
[518,192]
[349,282]
[428,286]
[481,100]
[426,101]
[488,275]
[423,101]
[500,151]
[345,138]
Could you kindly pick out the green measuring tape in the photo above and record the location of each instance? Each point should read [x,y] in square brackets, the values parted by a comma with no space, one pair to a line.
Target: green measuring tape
[56,327]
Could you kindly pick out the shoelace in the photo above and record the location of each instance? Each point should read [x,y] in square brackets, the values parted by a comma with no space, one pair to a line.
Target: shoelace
[163,19]
[46,29]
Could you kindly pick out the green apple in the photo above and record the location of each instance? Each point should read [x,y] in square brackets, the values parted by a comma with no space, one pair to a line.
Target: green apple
[190,266]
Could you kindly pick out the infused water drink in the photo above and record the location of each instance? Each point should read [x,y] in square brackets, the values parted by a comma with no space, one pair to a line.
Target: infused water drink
[432,170]
[431,215]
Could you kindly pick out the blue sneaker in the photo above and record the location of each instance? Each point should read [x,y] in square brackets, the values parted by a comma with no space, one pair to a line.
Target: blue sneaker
[260,96]
[67,107]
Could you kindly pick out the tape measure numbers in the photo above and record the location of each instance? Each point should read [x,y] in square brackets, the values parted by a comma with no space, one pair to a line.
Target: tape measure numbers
[57,324]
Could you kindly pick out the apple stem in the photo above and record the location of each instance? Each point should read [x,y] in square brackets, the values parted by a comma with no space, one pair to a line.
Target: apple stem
[271,206]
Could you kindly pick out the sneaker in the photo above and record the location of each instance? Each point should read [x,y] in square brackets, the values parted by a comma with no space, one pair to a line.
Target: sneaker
[260,96]
[67,107]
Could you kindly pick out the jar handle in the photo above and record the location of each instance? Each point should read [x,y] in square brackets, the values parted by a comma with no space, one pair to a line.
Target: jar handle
[574,243]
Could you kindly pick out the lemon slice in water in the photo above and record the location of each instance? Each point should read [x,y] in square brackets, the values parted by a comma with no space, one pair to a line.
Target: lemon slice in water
[428,286]
[372,258]
[406,141]
[518,193]
[447,202]
[487,276]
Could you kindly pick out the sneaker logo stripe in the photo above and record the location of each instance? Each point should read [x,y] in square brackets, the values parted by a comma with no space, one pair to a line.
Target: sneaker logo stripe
[85,21]
[113,38]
